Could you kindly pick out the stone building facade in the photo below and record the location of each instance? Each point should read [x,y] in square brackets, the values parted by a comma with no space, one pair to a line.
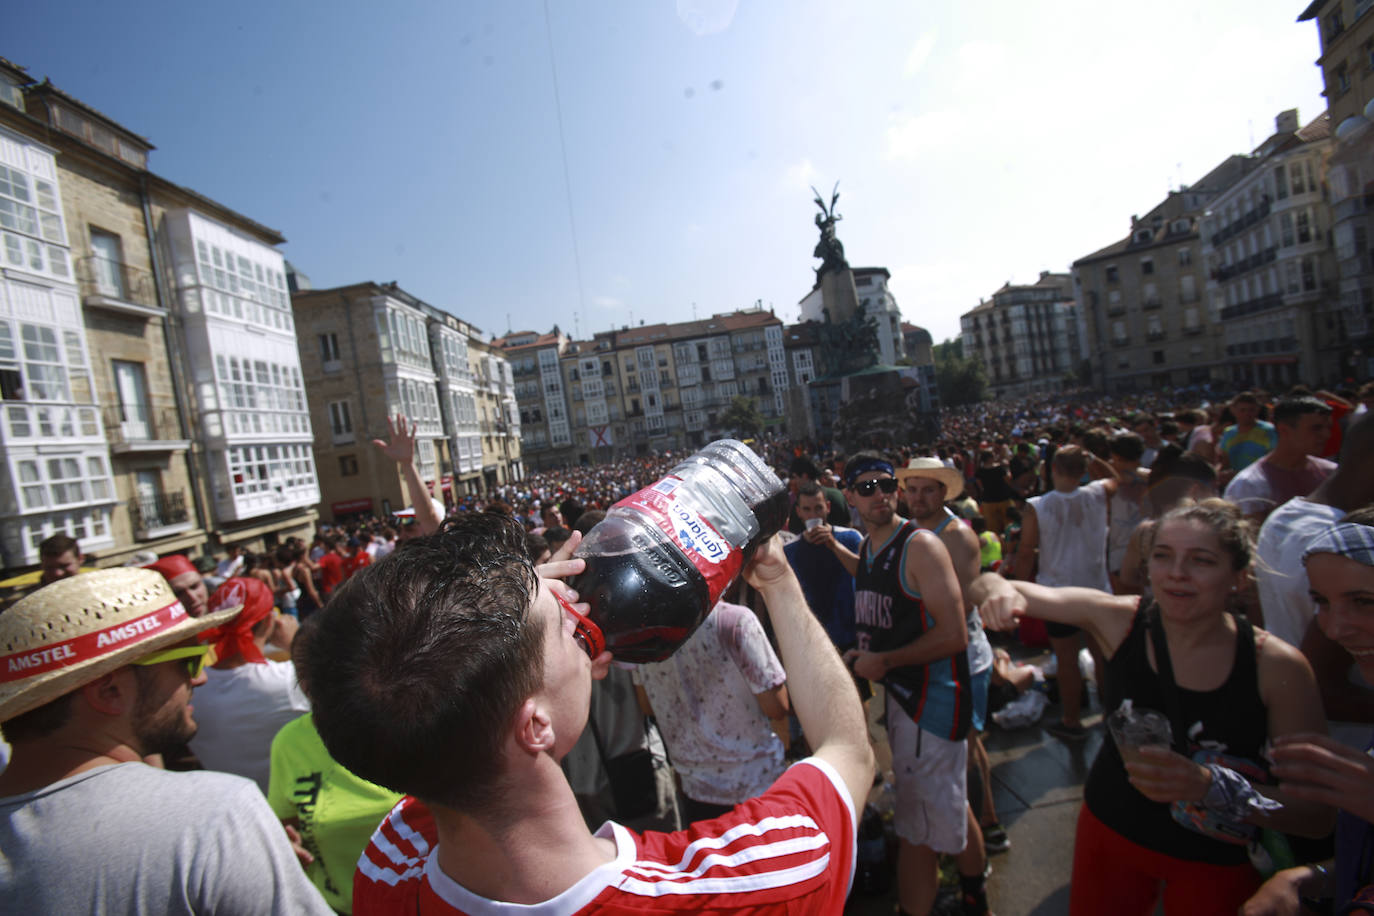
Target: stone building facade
[656,387]
[1146,323]
[371,351]
[116,370]
[1271,272]
[1027,336]
[1346,34]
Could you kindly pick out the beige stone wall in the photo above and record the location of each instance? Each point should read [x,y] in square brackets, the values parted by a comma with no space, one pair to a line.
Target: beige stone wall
[93,196]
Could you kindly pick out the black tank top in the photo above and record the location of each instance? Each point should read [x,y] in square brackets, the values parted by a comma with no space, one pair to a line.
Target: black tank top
[937,695]
[1231,720]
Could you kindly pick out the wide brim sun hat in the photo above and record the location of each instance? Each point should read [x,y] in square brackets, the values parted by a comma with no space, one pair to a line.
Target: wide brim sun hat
[935,469]
[75,630]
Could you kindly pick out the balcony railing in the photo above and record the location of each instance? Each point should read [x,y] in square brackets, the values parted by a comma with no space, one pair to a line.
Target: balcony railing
[1244,265]
[107,279]
[138,426]
[154,515]
[1250,307]
[1243,222]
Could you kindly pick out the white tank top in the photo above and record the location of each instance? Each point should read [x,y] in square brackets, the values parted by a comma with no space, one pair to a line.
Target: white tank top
[1073,537]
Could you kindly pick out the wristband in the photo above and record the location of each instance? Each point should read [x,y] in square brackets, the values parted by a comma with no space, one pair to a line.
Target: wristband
[1231,796]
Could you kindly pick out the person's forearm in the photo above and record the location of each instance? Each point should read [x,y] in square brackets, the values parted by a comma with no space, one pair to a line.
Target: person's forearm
[1104,469]
[425,517]
[985,586]
[848,558]
[821,691]
[933,645]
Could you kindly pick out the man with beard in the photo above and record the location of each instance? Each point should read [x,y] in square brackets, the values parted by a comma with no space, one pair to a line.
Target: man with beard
[97,674]
[912,636]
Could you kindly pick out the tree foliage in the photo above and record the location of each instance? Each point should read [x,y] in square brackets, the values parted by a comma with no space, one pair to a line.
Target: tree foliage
[742,417]
[962,380]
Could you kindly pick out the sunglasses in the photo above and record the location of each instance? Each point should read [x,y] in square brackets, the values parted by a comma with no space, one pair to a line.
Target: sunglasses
[867,487]
[587,634]
[194,658]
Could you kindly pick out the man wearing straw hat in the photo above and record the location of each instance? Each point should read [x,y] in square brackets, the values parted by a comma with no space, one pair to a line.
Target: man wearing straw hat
[96,673]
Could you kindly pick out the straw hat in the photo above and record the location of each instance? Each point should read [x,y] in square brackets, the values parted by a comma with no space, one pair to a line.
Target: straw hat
[73,631]
[935,470]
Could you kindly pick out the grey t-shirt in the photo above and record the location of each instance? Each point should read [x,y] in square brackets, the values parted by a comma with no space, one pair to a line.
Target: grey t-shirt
[130,838]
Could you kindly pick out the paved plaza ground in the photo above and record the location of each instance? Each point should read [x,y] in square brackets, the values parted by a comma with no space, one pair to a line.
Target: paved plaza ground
[1038,786]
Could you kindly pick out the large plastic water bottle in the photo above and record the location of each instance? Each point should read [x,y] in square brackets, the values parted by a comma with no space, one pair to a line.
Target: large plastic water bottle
[662,556]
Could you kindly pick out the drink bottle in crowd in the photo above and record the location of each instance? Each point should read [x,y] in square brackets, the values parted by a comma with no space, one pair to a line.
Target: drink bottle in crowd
[662,556]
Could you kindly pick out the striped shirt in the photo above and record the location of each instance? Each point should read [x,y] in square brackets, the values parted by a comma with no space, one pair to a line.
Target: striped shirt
[791,850]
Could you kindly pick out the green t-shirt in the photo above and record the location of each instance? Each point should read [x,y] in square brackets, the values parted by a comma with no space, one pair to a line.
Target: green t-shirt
[338,811]
[990,548]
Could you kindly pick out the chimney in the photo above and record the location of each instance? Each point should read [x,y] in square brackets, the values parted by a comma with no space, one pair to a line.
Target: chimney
[1286,122]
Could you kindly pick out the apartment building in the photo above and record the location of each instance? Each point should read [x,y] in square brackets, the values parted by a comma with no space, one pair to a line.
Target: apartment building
[498,419]
[1346,35]
[877,302]
[1026,335]
[1271,272]
[372,351]
[1140,299]
[118,429]
[661,386]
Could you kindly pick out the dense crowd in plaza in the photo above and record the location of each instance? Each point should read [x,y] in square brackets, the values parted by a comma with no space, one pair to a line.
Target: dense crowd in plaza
[414,714]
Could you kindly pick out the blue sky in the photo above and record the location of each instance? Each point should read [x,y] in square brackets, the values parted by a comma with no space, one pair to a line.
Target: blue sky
[974,143]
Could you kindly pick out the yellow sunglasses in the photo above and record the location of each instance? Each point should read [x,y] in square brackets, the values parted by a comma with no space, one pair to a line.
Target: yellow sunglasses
[194,657]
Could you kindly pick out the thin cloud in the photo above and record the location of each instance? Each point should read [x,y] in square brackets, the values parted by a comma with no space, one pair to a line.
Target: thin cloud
[907,136]
[799,175]
[918,55]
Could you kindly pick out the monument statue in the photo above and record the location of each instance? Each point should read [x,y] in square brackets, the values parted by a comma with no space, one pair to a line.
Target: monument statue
[829,249]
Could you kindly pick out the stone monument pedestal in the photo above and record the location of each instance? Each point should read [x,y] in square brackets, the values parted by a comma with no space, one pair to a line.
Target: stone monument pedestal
[839,296]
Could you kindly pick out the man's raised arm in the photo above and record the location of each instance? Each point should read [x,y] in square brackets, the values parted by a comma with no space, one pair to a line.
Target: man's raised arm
[821,690]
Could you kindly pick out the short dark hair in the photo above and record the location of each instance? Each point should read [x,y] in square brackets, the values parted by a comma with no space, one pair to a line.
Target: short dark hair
[535,545]
[804,467]
[1289,409]
[811,488]
[556,535]
[588,520]
[57,544]
[420,661]
[1128,446]
[40,721]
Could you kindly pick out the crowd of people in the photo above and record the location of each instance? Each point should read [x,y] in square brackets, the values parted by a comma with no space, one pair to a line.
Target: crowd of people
[415,714]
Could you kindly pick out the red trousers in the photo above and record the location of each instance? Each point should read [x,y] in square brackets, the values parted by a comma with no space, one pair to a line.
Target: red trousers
[1113,875]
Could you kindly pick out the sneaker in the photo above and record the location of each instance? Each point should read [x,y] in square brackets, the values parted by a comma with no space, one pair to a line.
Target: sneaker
[995,839]
[1067,732]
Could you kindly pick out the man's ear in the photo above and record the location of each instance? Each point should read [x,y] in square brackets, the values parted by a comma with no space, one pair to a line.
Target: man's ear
[534,728]
[112,694]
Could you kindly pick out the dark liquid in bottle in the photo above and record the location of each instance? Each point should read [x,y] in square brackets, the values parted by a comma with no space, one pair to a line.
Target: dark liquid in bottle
[646,602]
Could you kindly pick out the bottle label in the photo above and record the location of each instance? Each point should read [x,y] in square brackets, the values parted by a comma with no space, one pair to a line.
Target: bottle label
[715,558]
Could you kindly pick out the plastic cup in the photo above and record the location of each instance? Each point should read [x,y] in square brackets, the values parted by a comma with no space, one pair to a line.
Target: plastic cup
[813,522]
[1133,729]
